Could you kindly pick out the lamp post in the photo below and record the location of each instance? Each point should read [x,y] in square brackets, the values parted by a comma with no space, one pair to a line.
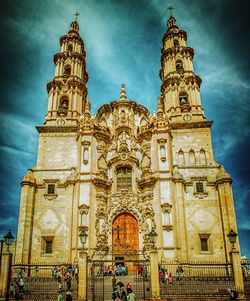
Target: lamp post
[236,263]
[5,264]
[155,281]
[82,280]
[83,237]
[232,236]
[8,240]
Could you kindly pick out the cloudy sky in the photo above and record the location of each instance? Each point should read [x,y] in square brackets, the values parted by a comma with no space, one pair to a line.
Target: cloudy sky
[123,42]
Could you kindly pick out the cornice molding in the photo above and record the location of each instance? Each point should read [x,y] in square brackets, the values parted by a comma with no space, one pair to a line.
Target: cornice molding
[56,129]
[191,125]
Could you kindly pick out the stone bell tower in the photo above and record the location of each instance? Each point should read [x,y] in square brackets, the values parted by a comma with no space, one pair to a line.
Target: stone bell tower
[180,87]
[67,91]
[48,210]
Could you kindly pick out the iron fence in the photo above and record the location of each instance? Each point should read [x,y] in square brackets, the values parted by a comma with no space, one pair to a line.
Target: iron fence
[196,280]
[43,281]
[106,278]
[245,264]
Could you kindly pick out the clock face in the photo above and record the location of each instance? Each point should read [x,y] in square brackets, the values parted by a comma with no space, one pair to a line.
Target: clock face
[187,117]
[60,121]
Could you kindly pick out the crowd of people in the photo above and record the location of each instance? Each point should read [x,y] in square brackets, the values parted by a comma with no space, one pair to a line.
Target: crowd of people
[109,270]
[166,277]
[63,275]
[122,293]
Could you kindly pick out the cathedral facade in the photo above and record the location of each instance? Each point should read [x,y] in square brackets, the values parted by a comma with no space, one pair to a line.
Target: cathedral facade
[123,172]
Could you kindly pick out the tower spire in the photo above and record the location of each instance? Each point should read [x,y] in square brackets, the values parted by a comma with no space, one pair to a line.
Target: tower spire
[177,71]
[123,94]
[67,91]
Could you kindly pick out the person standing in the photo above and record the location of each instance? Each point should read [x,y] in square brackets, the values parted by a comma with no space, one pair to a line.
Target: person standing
[170,278]
[59,297]
[68,282]
[69,296]
[162,276]
[21,285]
[131,296]
[123,295]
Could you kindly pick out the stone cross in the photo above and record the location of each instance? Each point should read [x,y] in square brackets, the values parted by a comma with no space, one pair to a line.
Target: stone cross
[170,8]
[76,14]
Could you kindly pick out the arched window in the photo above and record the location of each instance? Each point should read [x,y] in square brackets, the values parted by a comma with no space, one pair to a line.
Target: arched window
[179,66]
[63,106]
[67,70]
[183,98]
[70,47]
[124,178]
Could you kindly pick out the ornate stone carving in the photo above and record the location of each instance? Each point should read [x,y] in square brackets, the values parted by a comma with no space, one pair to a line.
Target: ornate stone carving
[102,167]
[72,177]
[101,224]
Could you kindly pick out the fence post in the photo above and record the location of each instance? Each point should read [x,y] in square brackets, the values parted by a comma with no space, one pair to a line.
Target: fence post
[238,275]
[155,284]
[82,280]
[5,274]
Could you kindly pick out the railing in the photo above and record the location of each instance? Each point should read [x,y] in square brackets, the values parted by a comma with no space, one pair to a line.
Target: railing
[246,277]
[107,277]
[196,280]
[43,281]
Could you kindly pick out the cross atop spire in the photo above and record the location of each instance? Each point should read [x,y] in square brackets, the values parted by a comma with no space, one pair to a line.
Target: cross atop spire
[170,8]
[76,15]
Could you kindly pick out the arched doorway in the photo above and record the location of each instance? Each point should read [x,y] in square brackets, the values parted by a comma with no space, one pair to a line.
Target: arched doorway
[125,236]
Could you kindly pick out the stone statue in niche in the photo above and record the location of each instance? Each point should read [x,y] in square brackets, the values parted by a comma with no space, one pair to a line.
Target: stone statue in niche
[73,175]
[146,162]
[102,166]
[114,145]
[124,141]
[101,147]
[123,116]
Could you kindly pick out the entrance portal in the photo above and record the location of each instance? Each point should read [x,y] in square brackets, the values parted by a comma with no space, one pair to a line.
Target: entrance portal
[125,236]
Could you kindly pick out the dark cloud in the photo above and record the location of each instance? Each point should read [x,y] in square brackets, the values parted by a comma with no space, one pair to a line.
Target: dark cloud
[123,42]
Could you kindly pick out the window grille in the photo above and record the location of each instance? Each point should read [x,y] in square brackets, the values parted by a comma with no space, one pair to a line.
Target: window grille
[199,187]
[124,179]
[51,188]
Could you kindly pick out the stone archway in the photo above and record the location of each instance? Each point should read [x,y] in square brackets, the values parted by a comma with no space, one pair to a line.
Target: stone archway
[125,235]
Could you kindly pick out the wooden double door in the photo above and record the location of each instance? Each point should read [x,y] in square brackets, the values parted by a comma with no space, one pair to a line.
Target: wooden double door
[125,236]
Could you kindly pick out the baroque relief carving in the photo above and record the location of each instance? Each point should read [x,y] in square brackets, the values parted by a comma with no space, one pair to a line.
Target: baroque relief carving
[101,224]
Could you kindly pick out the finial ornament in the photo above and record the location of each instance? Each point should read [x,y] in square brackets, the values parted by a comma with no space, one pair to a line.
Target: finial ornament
[76,15]
[170,8]
[123,94]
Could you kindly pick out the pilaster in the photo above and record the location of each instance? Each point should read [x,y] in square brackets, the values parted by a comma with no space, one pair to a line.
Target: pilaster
[23,244]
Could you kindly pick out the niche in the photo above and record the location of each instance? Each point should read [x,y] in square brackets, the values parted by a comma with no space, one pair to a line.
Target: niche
[176,43]
[67,70]
[181,158]
[191,157]
[203,160]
